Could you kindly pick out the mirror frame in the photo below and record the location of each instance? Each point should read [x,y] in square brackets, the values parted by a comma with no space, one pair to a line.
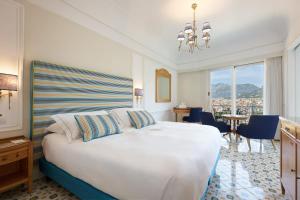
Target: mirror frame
[162,73]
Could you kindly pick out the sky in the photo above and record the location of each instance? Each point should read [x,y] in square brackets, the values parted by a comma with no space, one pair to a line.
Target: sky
[253,74]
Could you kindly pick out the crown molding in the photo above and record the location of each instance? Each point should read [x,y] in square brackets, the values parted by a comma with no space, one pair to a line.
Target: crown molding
[245,56]
[74,14]
[293,45]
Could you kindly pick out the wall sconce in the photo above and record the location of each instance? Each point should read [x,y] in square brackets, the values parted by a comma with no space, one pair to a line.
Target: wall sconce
[139,93]
[8,82]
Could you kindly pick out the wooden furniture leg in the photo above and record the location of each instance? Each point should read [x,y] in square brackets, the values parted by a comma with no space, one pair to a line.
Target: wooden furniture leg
[228,133]
[30,167]
[282,189]
[237,136]
[249,145]
[273,144]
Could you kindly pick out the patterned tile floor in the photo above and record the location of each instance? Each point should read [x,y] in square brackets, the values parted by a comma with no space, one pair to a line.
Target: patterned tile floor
[240,175]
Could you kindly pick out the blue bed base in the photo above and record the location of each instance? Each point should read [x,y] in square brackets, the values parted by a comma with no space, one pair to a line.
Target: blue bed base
[84,190]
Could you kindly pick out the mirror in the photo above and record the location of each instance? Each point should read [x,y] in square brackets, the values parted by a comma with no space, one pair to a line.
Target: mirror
[163,86]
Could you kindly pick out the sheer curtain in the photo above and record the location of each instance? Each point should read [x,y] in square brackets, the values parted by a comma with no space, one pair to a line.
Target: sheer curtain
[273,102]
[297,83]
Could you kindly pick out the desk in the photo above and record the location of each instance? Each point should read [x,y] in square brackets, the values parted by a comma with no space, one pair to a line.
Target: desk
[180,111]
[234,121]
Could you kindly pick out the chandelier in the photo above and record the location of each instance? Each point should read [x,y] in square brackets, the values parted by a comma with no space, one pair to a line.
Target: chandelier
[190,36]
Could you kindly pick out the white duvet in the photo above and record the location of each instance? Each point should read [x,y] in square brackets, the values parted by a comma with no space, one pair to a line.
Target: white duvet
[166,161]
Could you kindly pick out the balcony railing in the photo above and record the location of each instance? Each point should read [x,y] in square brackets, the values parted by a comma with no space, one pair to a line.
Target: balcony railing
[220,110]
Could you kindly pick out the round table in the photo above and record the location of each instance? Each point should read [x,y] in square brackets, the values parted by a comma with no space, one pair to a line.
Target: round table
[234,122]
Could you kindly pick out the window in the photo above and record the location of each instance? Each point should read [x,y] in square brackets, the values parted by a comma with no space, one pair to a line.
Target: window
[221,92]
[249,89]
[238,90]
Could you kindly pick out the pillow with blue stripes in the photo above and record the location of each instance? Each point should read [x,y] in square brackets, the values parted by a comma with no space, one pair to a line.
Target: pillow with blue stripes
[97,126]
[140,119]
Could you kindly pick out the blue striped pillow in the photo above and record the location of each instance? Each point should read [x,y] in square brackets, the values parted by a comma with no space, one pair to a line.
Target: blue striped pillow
[140,119]
[96,126]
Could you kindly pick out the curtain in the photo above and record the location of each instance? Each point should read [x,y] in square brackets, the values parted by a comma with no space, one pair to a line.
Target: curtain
[273,102]
[297,83]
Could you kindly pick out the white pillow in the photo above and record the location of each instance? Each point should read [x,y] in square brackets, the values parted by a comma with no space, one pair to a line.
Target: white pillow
[120,114]
[68,123]
[54,128]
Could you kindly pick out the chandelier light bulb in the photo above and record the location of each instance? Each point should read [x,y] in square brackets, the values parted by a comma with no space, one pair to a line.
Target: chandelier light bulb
[206,36]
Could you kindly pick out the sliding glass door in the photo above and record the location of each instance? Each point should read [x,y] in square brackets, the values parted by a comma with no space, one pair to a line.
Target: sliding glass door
[238,90]
[249,89]
[221,92]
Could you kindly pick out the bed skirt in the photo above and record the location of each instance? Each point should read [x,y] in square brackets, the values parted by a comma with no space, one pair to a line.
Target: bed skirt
[84,190]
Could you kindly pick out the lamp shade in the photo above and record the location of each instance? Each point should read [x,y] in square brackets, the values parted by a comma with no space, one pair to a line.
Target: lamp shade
[188,28]
[180,36]
[138,92]
[8,82]
[206,28]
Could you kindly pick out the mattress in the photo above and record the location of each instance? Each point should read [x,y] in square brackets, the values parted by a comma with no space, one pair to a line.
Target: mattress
[164,161]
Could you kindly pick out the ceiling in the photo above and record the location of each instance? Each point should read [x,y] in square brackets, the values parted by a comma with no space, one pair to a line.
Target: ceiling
[238,25]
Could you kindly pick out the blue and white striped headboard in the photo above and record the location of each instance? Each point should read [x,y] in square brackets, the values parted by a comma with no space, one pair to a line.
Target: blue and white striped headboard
[60,89]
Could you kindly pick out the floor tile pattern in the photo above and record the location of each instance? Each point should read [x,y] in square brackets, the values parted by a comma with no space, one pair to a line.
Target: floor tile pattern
[240,175]
[247,175]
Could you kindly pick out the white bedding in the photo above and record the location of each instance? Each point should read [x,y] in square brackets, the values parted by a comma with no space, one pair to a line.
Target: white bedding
[166,161]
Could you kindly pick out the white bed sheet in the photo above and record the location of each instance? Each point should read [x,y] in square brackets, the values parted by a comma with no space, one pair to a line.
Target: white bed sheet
[166,161]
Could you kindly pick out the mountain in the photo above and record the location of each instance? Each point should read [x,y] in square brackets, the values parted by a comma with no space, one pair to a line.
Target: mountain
[222,90]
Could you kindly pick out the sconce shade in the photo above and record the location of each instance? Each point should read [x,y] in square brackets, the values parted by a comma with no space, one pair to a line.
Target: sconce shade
[138,92]
[8,82]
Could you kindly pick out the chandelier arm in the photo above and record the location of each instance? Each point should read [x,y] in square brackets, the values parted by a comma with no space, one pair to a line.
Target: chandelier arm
[180,43]
[191,37]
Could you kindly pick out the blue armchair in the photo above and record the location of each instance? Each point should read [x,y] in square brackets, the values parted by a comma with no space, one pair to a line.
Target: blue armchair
[259,127]
[194,115]
[208,119]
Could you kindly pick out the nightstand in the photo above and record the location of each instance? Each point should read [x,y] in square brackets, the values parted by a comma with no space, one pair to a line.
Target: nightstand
[15,163]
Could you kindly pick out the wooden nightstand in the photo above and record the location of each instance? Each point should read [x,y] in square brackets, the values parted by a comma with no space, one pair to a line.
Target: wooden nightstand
[15,163]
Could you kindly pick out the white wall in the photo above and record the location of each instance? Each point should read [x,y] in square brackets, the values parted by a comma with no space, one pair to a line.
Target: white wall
[291,81]
[193,88]
[242,57]
[138,77]
[162,111]
[143,73]
[11,62]
[55,39]
[291,71]
[294,25]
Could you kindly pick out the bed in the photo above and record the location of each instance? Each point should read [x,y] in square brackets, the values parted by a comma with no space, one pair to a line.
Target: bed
[164,161]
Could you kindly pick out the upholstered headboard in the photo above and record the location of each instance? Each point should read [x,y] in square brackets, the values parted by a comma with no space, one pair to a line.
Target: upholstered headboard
[60,89]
